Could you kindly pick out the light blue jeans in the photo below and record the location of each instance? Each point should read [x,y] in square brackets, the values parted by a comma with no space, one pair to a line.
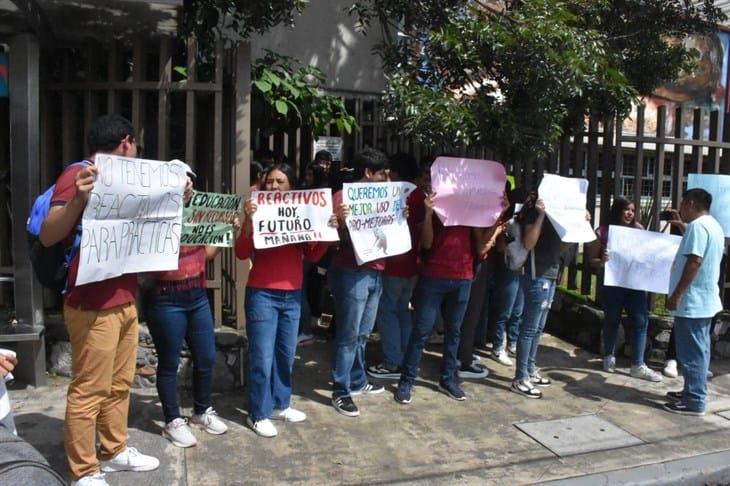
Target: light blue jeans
[693,352]
[394,318]
[539,295]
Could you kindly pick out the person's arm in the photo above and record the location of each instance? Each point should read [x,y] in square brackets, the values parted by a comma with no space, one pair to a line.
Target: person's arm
[691,268]
[7,364]
[596,258]
[427,227]
[61,220]
[532,230]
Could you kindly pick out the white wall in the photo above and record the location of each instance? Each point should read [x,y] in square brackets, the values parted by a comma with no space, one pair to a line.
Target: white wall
[325,37]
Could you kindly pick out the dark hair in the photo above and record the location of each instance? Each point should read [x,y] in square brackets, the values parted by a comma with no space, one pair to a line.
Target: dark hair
[288,171]
[323,155]
[615,214]
[264,154]
[319,175]
[256,170]
[405,165]
[701,198]
[372,159]
[107,132]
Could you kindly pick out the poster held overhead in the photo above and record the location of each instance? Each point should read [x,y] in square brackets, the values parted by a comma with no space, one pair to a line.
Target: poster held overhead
[719,188]
[469,192]
[565,206]
[377,221]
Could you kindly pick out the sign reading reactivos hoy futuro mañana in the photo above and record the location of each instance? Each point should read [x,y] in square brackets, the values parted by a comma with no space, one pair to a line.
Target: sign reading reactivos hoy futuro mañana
[286,217]
[208,219]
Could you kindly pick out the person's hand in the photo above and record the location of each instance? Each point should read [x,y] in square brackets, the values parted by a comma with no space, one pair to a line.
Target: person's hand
[588,216]
[7,364]
[604,256]
[249,208]
[673,301]
[342,213]
[428,203]
[333,222]
[188,193]
[236,224]
[540,206]
[84,180]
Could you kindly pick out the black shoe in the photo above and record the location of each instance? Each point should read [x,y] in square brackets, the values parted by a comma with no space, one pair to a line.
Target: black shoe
[453,390]
[674,396]
[403,393]
[473,371]
[345,406]
[383,372]
[526,388]
[681,409]
[368,389]
[539,380]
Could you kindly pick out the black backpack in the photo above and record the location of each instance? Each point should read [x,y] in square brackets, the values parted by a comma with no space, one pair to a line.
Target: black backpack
[20,463]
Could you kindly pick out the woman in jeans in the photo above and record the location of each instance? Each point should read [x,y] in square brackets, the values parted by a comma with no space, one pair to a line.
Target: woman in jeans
[616,299]
[273,305]
[177,310]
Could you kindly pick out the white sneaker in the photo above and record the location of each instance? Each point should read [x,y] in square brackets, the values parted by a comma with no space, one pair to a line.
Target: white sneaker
[500,356]
[288,415]
[130,459]
[264,427]
[179,433]
[645,373]
[209,422]
[670,368]
[609,364]
[91,480]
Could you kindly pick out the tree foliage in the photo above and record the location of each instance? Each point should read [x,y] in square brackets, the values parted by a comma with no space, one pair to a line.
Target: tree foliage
[516,75]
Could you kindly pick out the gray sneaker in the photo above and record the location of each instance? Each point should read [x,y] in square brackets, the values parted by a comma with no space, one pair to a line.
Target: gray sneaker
[609,364]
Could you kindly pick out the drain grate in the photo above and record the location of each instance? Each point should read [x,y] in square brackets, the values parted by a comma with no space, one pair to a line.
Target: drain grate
[578,435]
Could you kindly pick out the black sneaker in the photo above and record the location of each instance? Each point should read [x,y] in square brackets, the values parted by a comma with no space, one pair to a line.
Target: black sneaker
[526,388]
[403,393]
[345,406]
[676,407]
[674,396]
[538,380]
[368,389]
[383,372]
[453,390]
[473,371]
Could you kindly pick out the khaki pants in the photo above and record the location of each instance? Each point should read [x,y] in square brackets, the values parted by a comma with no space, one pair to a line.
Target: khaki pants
[104,354]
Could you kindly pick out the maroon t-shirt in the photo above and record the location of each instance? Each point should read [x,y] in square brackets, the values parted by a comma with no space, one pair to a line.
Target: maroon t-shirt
[95,295]
[344,254]
[452,252]
[406,265]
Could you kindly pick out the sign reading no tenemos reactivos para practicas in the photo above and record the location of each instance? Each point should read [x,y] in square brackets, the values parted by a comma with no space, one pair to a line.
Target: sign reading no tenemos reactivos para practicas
[133,219]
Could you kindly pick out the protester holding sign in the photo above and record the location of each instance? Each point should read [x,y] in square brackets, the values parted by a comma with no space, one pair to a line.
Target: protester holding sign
[273,302]
[101,319]
[615,299]
[356,289]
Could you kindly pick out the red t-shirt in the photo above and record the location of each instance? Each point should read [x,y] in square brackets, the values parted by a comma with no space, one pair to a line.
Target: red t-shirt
[278,268]
[406,265]
[344,255]
[190,264]
[452,252]
[95,295]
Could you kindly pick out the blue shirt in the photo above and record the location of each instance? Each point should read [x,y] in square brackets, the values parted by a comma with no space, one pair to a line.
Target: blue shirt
[704,238]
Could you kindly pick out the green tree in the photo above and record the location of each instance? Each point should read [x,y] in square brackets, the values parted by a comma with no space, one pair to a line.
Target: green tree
[516,75]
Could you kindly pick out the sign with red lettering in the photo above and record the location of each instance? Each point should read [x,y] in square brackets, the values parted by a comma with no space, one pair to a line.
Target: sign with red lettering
[287,217]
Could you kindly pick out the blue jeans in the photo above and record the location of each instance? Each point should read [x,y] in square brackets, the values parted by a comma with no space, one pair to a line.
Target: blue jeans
[174,317]
[394,318]
[305,318]
[615,300]
[272,321]
[356,294]
[539,295]
[693,352]
[510,301]
[451,298]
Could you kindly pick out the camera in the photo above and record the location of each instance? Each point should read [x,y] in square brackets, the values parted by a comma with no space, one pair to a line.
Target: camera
[666,215]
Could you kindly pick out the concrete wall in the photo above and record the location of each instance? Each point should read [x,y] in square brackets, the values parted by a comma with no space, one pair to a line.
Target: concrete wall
[325,37]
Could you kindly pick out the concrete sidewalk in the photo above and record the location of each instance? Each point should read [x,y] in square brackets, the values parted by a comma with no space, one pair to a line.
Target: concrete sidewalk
[433,440]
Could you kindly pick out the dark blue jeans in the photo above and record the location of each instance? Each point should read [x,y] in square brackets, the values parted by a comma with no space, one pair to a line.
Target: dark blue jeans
[614,301]
[394,318]
[509,300]
[356,294]
[431,293]
[539,295]
[272,321]
[174,317]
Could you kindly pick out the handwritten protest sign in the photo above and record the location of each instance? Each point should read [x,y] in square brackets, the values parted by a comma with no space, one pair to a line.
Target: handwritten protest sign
[719,187]
[286,217]
[208,219]
[133,220]
[377,220]
[469,192]
[565,206]
[639,259]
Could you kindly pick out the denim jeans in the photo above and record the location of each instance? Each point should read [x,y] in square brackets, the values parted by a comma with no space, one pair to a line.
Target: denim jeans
[174,317]
[394,318]
[476,315]
[693,352]
[509,300]
[539,295]
[272,321]
[305,318]
[615,300]
[356,294]
[432,294]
